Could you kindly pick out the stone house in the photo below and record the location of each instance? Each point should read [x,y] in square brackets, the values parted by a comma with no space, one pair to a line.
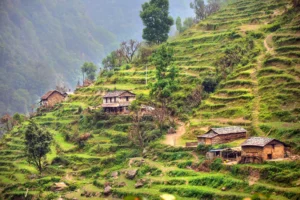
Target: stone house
[222,135]
[259,149]
[51,98]
[117,101]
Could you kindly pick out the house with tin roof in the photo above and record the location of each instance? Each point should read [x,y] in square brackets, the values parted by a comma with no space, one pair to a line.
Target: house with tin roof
[259,149]
[117,101]
[222,135]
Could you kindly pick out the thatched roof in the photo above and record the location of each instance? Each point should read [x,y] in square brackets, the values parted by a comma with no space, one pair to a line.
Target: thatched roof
[118,93]
[259,141]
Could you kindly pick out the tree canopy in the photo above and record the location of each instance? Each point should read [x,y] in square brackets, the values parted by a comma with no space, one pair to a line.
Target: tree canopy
[89,69]
[37,143]
[156,19]
[166,82]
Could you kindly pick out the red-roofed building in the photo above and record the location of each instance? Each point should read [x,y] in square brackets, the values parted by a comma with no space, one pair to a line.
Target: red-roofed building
[51,98]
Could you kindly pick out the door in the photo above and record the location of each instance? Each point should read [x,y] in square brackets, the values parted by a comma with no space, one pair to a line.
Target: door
[269,156]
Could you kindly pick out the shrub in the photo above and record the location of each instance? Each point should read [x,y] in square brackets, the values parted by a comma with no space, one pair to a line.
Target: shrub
[216,165]
[203,148]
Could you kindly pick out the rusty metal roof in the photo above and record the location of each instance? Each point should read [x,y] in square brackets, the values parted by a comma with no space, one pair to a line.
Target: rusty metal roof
[258,141]
[117,93]
[229,129]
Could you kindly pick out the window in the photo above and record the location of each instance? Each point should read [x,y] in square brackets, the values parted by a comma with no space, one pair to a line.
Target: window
[110,100]
[127,98]
[115,99]
[105,100]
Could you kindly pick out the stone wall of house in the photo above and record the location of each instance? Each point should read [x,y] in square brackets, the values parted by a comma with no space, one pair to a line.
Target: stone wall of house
[204,141]
[54,98]
[252,151]
[220,139]
[275,150]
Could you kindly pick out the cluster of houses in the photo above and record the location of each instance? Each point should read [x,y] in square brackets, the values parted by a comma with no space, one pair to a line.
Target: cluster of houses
[114,102]
[253,150]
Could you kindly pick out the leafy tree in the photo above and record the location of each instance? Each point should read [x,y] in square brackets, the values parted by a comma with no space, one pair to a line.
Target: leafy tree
[136,133]
[89,69]
[199,9]
[155,16]
[37,141]
[111,61]
[178,24]
[202,11]
[188,22]
[166,83]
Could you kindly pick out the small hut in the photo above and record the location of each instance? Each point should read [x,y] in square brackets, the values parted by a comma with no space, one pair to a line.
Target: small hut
[51,98]
[227,153]
[222,135]
[259,149]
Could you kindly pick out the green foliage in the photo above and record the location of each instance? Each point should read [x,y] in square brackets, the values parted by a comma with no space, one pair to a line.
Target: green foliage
[216,165]
[209,84]
[37,143]
[89,69]
[203,148]
[218,181]
[155,16]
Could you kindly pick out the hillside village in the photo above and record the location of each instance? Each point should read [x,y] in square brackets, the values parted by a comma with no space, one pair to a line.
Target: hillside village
[242,141]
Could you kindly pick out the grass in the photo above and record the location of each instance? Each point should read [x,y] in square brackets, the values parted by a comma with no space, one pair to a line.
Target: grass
[60,141]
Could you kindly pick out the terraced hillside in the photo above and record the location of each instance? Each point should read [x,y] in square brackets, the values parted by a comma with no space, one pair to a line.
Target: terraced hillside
[259,91]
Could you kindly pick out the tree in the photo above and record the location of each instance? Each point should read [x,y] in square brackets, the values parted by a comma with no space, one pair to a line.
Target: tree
[156,19]
[128,49]
[199,9]
[112,60]
[202,11]
[89,69]
[37,145]
[8,121]
[178,24]
[136,134]
[166,82]
[188,22]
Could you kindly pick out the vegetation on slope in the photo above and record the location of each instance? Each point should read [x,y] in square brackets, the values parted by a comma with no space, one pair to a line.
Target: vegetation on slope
[246,84]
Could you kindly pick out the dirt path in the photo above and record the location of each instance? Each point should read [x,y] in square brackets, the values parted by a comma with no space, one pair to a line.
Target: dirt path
[173,139]
[269,49]
[195,156]
[256,100]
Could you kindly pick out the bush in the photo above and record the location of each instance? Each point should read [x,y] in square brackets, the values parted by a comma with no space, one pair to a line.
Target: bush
[216,165]
[209,84]
[203,148]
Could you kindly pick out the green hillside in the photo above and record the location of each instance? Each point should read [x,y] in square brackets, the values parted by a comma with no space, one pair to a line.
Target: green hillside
[250,47]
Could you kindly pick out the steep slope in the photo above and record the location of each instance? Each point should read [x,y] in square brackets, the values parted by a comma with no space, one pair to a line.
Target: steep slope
[241,98]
